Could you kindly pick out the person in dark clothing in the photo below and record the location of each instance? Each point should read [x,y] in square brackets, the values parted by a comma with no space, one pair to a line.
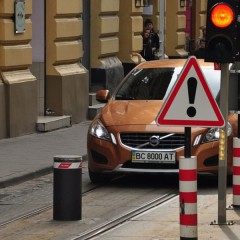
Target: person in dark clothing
[147,52]
[200,53]
[154,36]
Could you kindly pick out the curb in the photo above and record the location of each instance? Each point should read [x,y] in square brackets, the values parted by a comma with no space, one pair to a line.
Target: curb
[25,177]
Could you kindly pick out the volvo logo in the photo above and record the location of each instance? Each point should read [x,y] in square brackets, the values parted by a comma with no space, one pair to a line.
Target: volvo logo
[154,141]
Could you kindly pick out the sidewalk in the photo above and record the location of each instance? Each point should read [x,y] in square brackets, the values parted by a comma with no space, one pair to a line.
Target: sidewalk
[162,222]
[31,155]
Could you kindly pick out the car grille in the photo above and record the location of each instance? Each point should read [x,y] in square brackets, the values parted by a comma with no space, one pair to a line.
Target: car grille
[130,164]
[142,140]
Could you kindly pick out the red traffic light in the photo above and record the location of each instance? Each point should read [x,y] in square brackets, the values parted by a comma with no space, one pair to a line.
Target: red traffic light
[222,15]
[222,31]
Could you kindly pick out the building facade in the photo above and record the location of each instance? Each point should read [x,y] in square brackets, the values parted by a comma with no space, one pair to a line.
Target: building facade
[53,53]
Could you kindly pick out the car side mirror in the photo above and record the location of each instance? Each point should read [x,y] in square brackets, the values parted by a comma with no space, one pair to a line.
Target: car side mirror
[102,95]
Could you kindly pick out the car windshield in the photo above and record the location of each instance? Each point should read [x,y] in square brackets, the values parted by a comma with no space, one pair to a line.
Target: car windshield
[156,83]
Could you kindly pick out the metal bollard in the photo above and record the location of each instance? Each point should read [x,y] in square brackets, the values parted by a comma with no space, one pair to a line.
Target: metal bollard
[67,189]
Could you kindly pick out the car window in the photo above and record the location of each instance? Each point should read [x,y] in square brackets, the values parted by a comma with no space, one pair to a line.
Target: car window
[146,84]
[156,83]
[213,79]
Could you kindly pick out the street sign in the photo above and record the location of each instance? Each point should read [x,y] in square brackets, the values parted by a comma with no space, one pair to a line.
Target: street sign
[190,102]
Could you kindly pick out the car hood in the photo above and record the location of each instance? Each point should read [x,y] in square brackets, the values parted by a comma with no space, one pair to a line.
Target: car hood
[133,112]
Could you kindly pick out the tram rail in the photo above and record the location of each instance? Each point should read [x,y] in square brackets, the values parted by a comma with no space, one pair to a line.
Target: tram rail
[107,226]
[35,211]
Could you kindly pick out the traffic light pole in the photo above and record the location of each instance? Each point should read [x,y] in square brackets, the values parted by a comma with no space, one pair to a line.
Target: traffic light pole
[222,30]
[222,164]
[238,105]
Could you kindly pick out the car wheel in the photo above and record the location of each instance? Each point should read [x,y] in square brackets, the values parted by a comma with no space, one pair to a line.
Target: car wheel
[97,177]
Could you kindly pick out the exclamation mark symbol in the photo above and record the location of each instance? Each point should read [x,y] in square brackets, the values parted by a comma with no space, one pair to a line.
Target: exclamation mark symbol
[192,87]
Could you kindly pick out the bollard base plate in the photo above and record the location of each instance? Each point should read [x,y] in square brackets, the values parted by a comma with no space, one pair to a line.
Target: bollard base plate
[233,207]
[224,223]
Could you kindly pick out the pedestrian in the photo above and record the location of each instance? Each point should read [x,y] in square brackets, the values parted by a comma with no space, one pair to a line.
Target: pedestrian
[147,52]
[203,36]
[154,36]
[200,53]
[203,31]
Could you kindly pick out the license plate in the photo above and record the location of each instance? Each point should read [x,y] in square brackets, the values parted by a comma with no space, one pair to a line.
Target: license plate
[153,157]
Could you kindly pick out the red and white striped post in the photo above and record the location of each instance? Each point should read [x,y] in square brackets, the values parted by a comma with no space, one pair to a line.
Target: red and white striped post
[236,173]
[188,198]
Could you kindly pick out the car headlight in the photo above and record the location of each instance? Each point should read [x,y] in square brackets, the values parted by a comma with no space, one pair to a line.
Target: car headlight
[98,130]
[213,133]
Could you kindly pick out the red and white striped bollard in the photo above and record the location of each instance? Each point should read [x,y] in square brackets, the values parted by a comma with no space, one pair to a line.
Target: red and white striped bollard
[236,173]
[188,198]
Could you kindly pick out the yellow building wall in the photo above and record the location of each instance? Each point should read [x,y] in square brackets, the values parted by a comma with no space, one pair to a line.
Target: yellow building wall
[64,31]
[15,49]
[175,29]
[131,27]
[18,85]
[104,30]
[116,27]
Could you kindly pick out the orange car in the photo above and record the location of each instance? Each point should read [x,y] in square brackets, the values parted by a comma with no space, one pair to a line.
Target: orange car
[124,136]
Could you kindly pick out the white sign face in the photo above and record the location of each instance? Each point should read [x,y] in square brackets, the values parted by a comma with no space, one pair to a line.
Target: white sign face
[191,102]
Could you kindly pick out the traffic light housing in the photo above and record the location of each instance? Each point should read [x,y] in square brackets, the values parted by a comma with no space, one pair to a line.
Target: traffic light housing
[222,31]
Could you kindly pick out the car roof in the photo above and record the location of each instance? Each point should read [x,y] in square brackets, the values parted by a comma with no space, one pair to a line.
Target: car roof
[170,63]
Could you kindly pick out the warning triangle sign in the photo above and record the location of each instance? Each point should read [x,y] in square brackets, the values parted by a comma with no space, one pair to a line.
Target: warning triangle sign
[190,102]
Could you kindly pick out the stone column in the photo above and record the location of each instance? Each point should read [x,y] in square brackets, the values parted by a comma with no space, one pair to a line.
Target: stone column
[67,82]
